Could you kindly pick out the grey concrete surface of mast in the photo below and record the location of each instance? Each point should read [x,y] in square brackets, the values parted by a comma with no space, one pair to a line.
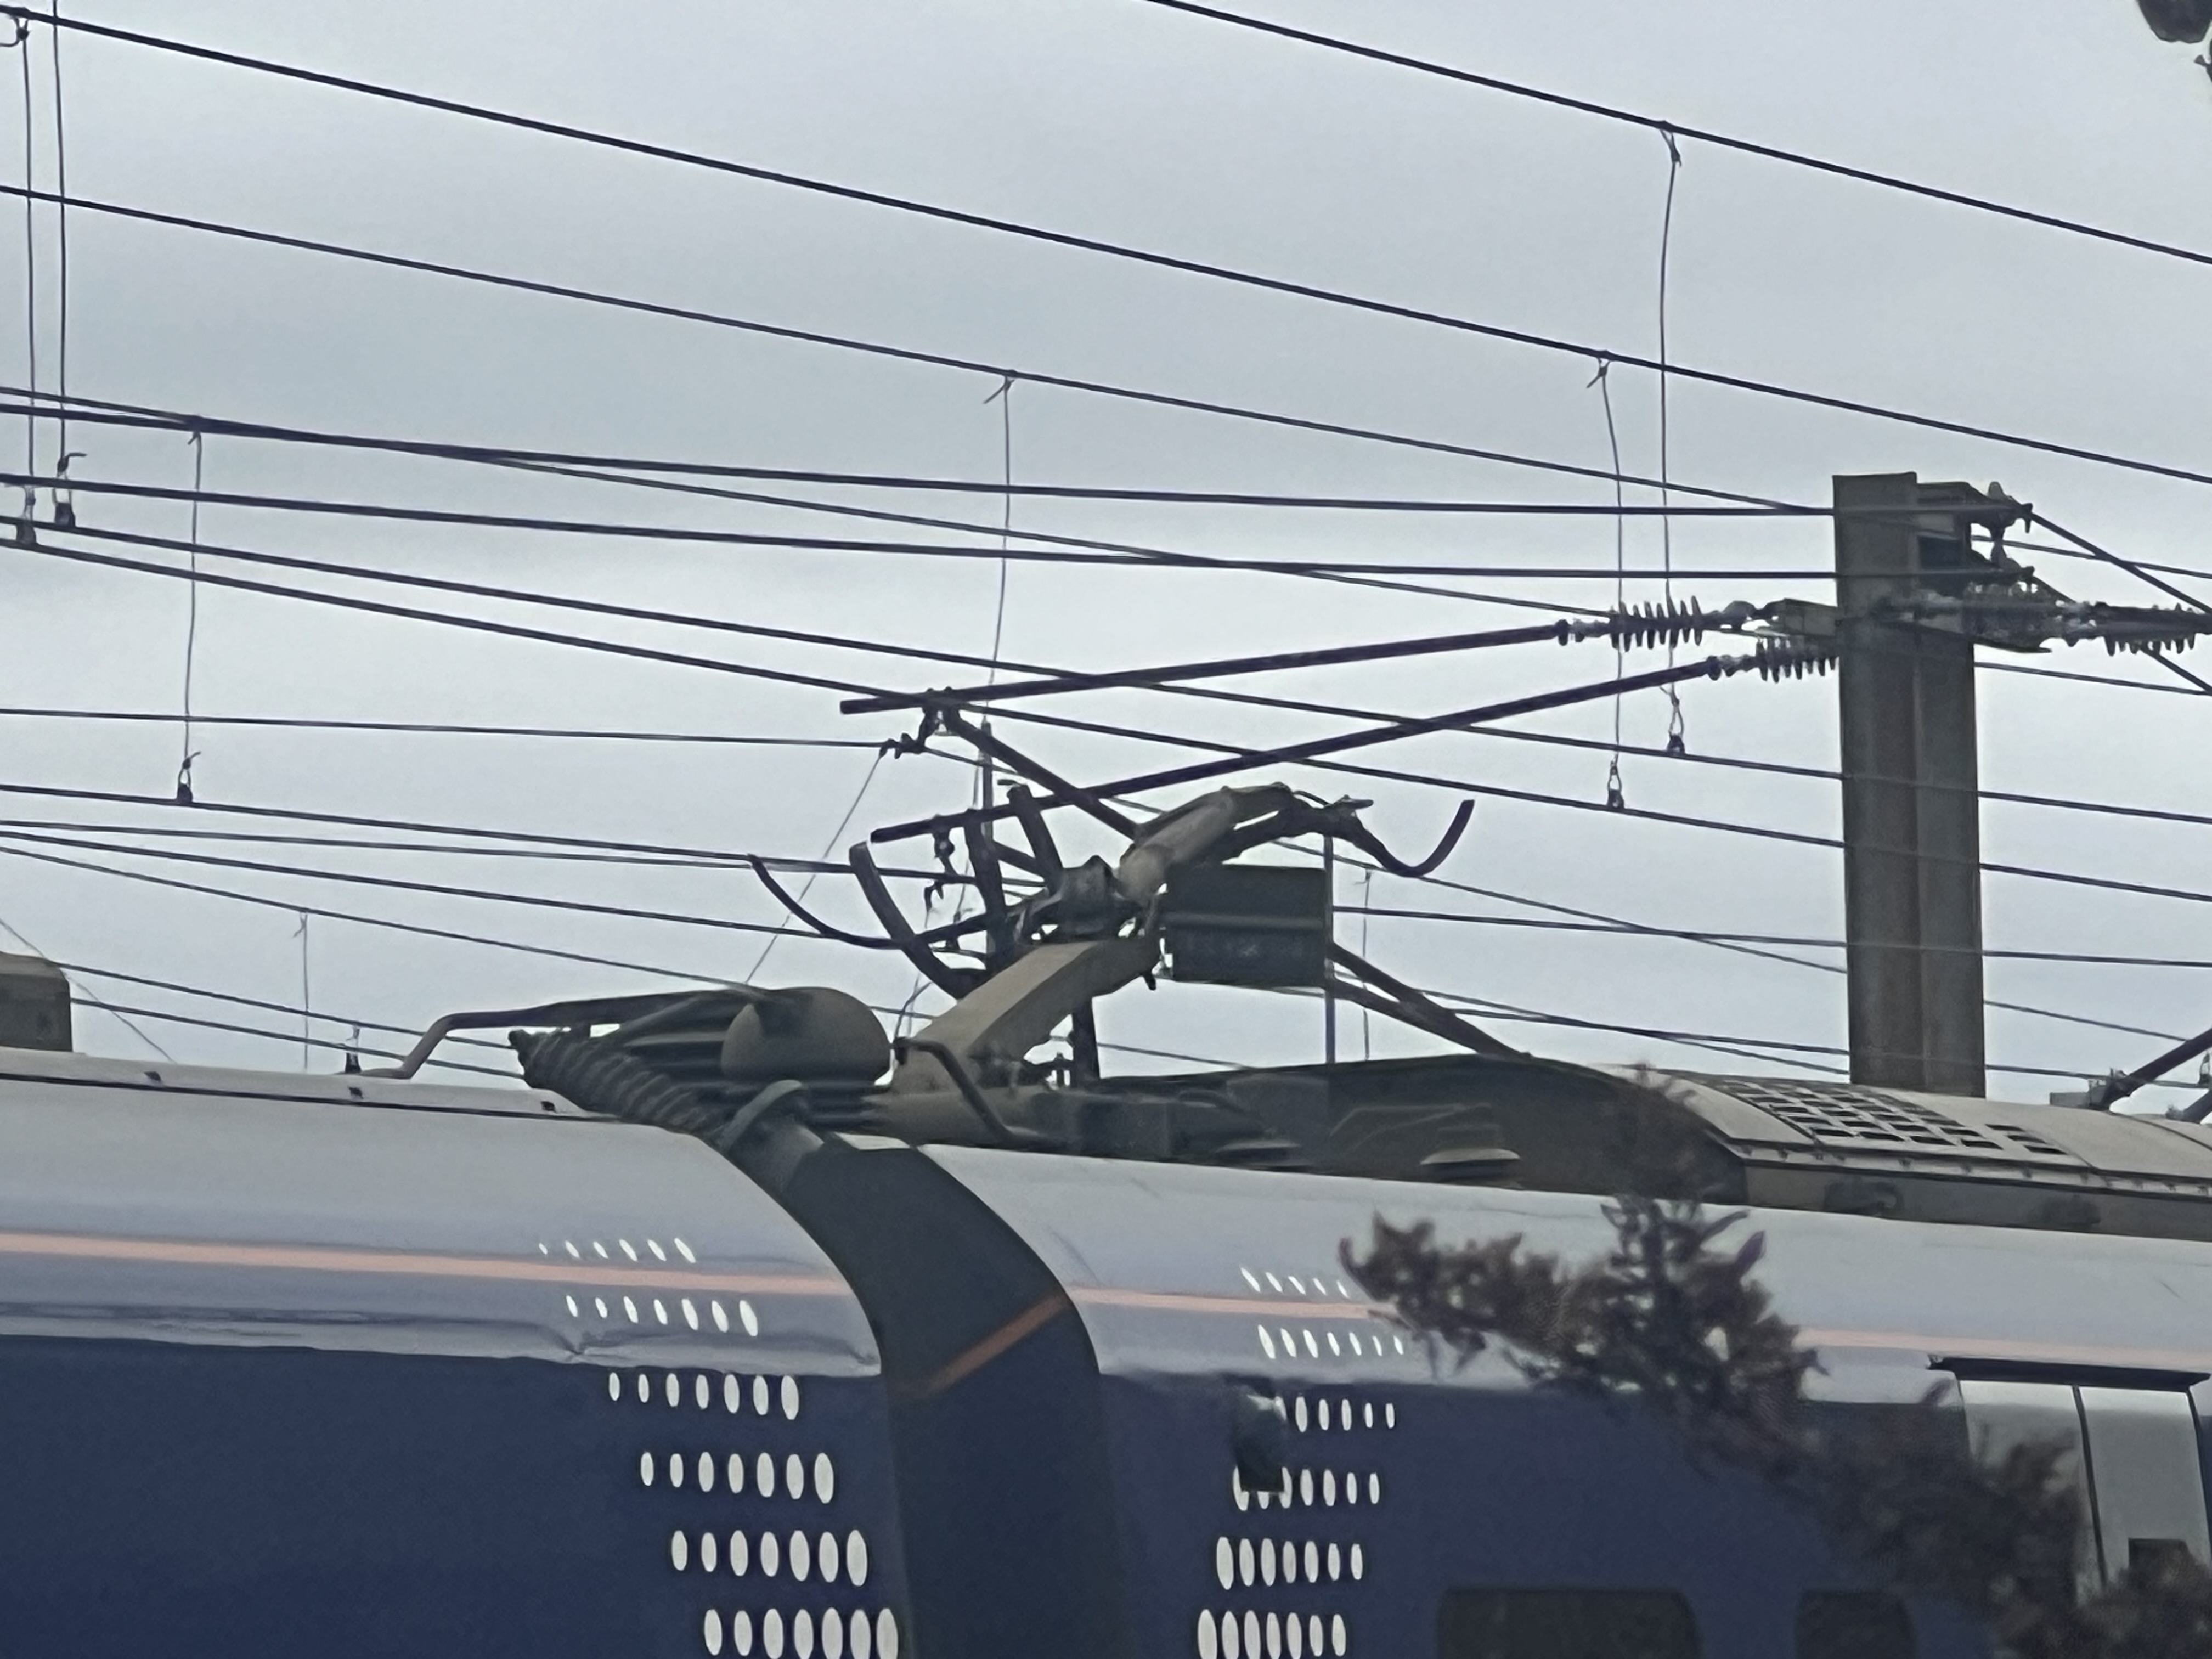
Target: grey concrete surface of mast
[1911,788]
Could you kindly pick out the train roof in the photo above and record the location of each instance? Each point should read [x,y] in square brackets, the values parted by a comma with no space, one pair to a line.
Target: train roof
[1185,1268]
[707,1060]
[250,1208]
[394,1215]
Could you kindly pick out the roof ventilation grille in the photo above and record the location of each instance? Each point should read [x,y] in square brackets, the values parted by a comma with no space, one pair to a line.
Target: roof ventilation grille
[1836,1114]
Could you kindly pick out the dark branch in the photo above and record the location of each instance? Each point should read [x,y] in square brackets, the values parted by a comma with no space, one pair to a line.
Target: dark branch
[1680,1327]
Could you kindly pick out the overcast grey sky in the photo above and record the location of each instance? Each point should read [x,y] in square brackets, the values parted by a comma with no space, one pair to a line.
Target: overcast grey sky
[1119,120]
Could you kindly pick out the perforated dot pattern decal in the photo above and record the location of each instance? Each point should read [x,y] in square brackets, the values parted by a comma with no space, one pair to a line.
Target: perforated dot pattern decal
[739,1570]
[1267,1575]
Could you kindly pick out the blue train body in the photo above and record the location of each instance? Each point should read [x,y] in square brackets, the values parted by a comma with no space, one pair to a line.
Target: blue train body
[354,1367]
[357,1367]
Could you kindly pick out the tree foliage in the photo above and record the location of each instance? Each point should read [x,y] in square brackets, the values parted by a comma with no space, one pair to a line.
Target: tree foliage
[1673,1323]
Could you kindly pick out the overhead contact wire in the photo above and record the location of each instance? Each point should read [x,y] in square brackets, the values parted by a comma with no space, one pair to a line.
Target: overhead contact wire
[1240,754]
[1277,285]
[1700,135]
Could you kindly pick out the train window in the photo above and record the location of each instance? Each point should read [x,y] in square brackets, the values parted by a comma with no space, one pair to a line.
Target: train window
[1566,1624]
[2143,1467]
[2134,1449]
[1854,1625]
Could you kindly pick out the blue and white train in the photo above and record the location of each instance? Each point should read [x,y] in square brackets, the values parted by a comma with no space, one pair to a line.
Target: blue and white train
[989,1364]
